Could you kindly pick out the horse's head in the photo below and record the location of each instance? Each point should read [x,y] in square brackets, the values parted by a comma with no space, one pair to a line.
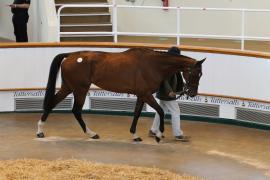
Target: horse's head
[192,77]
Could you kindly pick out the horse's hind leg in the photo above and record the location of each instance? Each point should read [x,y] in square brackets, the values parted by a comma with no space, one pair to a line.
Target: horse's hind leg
[60,95]
[79,96]
[153,103]
[137,113]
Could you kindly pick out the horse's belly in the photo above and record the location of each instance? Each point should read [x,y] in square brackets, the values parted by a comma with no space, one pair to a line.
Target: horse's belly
[119,85]
[119,79]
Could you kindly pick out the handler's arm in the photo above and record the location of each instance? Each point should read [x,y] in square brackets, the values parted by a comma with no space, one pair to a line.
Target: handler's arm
[22,6]
[168,89]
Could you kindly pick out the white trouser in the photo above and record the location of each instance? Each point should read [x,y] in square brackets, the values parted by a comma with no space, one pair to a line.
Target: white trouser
[173,108]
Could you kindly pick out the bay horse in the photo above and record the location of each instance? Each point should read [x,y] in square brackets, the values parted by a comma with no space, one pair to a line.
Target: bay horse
[138,71]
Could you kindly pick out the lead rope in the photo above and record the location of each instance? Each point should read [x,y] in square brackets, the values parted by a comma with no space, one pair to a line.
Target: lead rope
[183,92]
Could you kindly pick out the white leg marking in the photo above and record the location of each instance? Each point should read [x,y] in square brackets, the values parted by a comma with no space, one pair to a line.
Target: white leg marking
[40,126]
[135,136]
[89,132]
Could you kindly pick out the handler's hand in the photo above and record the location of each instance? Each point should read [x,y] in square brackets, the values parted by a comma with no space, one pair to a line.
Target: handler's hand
[172,94]
[12,5]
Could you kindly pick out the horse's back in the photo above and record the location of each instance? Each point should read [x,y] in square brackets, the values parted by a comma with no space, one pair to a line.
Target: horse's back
[127,71]
[119,72]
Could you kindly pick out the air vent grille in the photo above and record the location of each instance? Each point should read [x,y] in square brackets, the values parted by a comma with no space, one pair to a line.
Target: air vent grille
[199,109]
[122,104]
[24,104]
[253,115]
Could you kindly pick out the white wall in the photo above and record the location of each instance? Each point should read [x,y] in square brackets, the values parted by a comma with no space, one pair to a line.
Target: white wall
[222,74]
[197,22]
[45,21]
[42,24]
[6,28]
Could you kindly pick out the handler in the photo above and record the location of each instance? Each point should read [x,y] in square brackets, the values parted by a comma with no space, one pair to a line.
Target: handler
[167,96]
[19,8]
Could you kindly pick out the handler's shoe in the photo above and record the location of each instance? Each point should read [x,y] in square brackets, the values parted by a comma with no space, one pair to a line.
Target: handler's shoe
[152,134]
[182,138]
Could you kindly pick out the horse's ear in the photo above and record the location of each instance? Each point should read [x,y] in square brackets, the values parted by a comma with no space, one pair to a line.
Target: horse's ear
[199,63]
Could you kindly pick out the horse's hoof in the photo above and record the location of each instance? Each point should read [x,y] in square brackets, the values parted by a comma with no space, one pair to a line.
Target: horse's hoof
[95,136]
[40,135]
[137,139]
[158,139]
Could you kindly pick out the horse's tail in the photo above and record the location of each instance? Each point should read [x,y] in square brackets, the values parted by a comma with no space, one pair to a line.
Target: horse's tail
[50,89]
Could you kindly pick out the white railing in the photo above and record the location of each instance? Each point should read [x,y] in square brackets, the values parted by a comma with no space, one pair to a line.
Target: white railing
[178,33]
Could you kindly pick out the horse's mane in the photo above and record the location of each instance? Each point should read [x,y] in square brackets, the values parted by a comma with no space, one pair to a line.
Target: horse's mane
[165,53]
[157,52]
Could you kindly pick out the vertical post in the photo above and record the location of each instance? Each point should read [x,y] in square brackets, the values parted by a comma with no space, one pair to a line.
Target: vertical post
[178,25]
[243,31]
[114,23]
[37,20]
[59,24]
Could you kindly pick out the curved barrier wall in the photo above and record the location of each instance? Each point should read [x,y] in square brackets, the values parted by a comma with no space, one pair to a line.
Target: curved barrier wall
[234,84]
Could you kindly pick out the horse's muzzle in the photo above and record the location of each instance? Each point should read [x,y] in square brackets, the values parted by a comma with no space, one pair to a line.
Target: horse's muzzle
[191,93]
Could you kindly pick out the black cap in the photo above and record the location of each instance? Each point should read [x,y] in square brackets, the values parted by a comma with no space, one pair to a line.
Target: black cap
[174,50]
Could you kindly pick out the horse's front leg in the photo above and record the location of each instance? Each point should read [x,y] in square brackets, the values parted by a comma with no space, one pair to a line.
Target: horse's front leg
[137,113]
[153,103]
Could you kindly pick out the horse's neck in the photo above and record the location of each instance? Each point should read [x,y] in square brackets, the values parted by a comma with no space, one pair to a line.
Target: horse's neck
[173,64]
